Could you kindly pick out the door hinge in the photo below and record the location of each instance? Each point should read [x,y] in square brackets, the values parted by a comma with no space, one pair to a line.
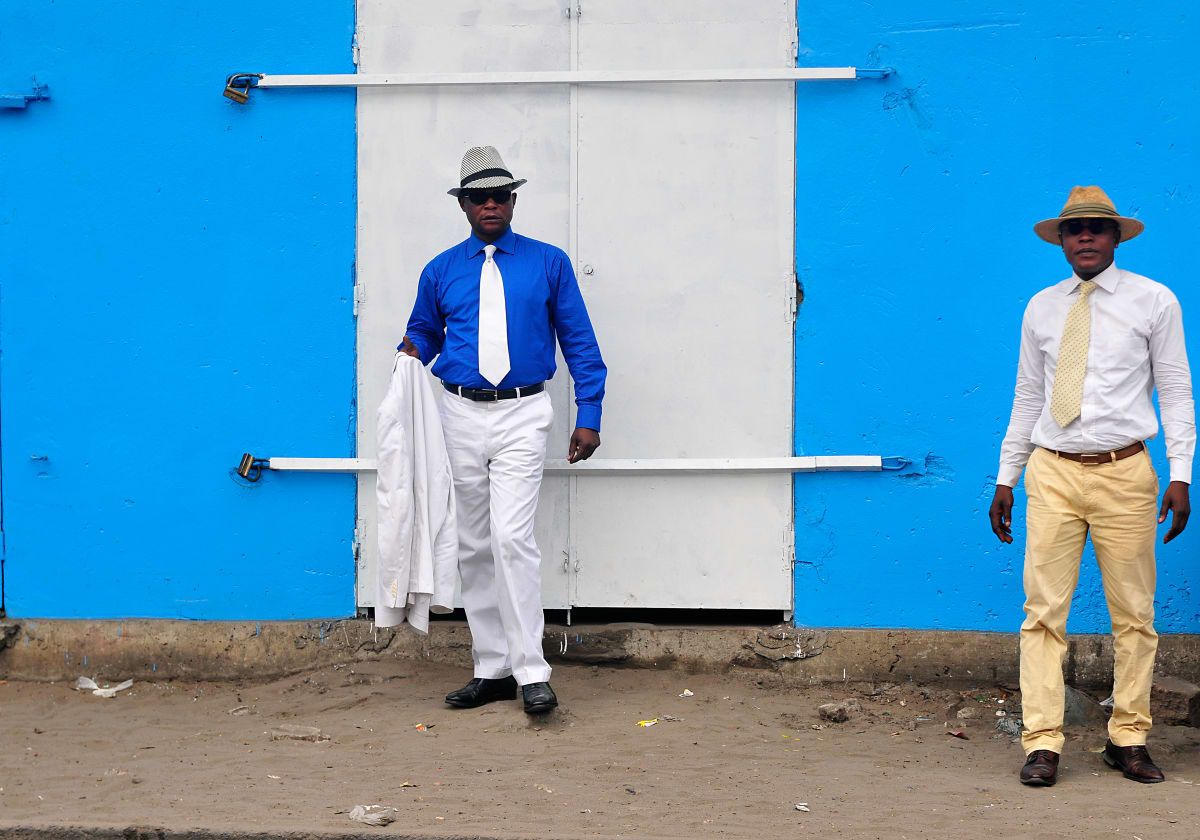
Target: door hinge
[789,549]
[791,287]
[360,530]
[360,297]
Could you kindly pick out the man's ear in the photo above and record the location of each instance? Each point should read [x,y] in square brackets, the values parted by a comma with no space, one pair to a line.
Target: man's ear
[462,204]
[514,200]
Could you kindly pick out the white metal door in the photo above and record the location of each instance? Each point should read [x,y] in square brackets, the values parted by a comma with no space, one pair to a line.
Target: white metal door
[676,203]
[686,223]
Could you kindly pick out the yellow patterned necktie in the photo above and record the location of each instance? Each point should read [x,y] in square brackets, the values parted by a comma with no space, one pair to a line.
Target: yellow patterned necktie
[1067,398]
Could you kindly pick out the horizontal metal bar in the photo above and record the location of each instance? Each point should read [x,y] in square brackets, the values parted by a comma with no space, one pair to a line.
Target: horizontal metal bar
[323,465]
[713,466]
[573,77]
[631,466]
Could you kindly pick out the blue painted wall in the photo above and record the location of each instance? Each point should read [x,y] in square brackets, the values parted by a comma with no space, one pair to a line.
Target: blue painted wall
[176,281]
[175,288]
[915,202]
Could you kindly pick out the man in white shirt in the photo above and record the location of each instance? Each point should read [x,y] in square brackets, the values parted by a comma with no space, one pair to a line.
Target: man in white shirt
[1093,349]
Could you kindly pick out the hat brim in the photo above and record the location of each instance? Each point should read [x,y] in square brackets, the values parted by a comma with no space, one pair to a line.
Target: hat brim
[1047,229]
[495,182]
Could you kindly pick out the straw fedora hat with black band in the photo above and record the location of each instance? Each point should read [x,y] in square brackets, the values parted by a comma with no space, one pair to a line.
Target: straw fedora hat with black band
[483,169]
[1087,203]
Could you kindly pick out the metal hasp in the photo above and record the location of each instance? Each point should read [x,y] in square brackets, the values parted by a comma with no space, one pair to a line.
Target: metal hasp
[20,100]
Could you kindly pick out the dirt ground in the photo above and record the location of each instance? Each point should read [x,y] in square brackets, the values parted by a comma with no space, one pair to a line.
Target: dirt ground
[732,760]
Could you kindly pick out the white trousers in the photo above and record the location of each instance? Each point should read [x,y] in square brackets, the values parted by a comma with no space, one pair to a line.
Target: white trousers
[497,451]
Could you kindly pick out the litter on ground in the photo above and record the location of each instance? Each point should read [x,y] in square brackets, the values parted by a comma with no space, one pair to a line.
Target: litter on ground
[373,814]
[88,684]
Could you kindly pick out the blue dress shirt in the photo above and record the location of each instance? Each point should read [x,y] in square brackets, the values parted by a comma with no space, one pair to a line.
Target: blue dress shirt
[542,301]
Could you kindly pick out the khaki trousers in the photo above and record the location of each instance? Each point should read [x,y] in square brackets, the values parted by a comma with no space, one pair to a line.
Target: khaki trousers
[1117,503]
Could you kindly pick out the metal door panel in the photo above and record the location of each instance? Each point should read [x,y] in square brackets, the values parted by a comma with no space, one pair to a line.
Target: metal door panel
[706,542]
[686,223]
[682,197]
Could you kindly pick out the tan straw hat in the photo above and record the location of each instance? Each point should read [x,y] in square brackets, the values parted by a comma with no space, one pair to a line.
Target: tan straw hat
[1087,203]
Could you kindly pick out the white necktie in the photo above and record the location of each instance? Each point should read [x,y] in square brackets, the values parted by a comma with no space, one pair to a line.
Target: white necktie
[493,321]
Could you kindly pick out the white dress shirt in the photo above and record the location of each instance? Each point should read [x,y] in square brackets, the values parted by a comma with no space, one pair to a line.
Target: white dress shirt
[1136,346]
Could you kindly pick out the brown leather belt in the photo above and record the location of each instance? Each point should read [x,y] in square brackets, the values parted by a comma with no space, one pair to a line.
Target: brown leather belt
[1094,458]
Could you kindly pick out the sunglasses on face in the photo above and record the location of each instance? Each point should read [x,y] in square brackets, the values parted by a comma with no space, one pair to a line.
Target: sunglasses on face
[1094,226]
[481,198]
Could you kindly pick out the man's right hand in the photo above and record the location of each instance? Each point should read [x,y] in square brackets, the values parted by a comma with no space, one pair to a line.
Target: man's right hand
[1001,513]
[409,349]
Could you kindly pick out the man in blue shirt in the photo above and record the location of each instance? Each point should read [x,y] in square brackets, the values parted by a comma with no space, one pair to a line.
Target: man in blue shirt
[490,310]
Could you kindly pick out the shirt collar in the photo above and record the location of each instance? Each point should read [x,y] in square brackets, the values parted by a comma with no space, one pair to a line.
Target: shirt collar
[506,243]
[1106,280]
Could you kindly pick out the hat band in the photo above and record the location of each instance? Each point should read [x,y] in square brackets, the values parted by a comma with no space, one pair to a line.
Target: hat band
[484,173]
[1088,210]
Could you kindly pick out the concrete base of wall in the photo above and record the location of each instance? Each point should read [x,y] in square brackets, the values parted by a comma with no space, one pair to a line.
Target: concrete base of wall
[53,650]
[134,832]
[60,832]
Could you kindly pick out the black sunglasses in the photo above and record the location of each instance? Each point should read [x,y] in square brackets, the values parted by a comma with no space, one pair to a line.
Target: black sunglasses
[1095,226]
[480,197]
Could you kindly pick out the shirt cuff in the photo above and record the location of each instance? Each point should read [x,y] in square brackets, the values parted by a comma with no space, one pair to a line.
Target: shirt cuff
[588,417]
[1008,475]
[1181,469]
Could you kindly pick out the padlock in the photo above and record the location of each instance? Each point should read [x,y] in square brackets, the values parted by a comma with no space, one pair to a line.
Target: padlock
[238,95]
[251,468]
[246,465]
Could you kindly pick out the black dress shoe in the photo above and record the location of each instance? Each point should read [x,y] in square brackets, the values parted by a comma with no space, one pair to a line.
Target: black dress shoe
[1041,768]
[539,698]
[1134,762]
[479,691]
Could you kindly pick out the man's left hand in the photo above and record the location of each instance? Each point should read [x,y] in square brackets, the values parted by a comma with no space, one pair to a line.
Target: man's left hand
[586,441]
[1175,499]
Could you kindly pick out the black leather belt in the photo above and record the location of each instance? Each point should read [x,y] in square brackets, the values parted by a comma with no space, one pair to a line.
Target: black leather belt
[486,395]
[1094,458]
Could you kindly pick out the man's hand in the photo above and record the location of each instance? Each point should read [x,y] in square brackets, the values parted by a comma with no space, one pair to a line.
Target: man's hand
[409,349]
[1001,513]
[583,443]
[1175,498]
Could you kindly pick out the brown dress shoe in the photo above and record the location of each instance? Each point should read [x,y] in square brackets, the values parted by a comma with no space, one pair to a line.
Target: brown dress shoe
[1041,768]
[1134,762]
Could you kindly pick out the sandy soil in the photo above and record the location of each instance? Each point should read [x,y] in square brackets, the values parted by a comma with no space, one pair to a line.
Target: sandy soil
[745,750]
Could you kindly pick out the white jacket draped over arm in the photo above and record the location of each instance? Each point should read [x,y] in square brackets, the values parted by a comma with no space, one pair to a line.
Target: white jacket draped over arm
[418,532]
